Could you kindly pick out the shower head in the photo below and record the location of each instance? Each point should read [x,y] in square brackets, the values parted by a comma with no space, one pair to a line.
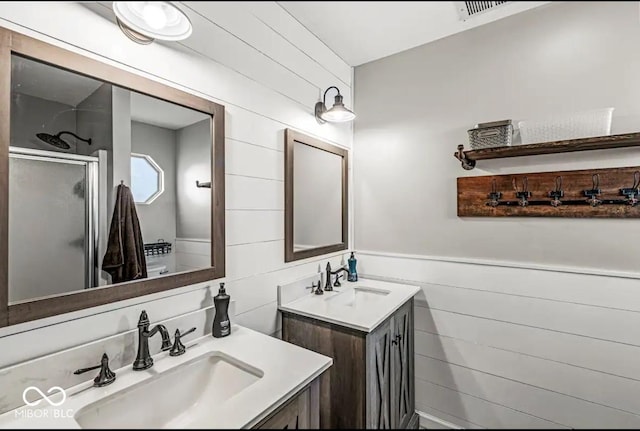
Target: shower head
[57,141]
[53,140]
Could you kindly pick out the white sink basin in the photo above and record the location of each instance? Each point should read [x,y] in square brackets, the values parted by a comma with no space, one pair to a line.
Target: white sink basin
[358,297]
[172,399]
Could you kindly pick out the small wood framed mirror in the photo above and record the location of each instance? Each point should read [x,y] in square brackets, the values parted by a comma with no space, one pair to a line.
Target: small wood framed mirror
[316,197]
[82,144]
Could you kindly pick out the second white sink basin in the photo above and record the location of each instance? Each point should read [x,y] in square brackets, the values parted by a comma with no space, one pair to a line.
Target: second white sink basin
[361,305]
[358,296]
[172,399]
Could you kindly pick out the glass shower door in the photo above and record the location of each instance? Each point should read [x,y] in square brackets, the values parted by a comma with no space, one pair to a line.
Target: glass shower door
[51,240]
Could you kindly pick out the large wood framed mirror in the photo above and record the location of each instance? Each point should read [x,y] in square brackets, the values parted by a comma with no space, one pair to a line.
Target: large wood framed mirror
[111,184]
[316,197]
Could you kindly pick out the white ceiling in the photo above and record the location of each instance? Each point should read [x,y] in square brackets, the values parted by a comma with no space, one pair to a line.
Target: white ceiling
[58,85]
[363,31]
[51,83]
[156,112]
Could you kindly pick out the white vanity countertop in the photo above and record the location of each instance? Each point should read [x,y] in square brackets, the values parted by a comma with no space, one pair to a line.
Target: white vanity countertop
[364,316]
[286,369]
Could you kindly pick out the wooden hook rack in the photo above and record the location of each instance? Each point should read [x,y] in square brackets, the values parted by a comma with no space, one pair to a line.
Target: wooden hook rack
[603,193]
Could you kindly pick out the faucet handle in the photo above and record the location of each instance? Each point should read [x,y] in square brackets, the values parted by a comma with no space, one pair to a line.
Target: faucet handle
[179,348]
[105,377]
[337,282]
[317,287]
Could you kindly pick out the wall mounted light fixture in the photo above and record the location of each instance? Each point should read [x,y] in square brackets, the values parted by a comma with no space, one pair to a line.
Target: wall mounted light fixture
[337,114]
[145,21]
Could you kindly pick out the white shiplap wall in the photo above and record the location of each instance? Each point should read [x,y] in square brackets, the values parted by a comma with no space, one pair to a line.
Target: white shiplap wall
[502,346]
[268,71]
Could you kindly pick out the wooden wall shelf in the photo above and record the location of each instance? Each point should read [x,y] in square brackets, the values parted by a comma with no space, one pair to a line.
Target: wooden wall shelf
[468,158]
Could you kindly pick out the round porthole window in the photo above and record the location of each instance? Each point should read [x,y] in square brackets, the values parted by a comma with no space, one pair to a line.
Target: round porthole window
[147,179]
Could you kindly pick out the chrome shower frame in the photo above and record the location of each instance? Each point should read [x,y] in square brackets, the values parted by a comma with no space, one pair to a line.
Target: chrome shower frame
[92,166]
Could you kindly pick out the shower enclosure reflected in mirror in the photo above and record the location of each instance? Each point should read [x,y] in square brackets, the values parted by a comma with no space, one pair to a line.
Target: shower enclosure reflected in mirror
[102,184]
[316,193]
[62,184]
[73,140]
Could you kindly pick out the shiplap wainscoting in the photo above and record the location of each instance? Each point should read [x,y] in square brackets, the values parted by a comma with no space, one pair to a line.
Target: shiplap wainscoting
[501,346]
[268,71]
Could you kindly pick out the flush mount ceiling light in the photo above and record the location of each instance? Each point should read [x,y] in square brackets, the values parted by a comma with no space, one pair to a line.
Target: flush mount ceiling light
[337,114]
[144,21]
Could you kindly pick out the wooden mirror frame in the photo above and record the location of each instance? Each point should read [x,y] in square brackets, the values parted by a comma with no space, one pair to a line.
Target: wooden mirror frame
[291,137]
[16,43]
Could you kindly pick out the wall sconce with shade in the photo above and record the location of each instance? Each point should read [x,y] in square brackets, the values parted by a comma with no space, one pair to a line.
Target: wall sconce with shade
[337,114]
[145,21]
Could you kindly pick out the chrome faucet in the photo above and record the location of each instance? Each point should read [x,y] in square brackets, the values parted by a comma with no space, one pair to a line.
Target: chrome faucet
[144,359]
[329,273]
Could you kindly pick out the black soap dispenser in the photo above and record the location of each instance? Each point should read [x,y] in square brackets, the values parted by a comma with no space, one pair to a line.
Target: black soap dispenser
[221,323]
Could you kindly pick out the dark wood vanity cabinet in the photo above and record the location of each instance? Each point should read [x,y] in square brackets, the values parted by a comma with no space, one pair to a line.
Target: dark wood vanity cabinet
[371,383]
[390,376]
[299,412]
[403,383]
[293,415]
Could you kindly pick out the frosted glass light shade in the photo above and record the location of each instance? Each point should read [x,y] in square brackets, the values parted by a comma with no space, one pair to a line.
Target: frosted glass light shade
[337,114]
[155,20]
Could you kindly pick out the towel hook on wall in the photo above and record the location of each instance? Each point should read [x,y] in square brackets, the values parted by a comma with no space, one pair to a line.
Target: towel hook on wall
[558,193]
[206,185]
[633,192]
[494,196]
[525,194]
[594,192]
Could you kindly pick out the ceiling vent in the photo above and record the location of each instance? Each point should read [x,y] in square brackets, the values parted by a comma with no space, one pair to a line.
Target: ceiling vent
[468,9]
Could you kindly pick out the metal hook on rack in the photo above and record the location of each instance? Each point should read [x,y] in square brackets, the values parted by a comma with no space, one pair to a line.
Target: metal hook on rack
[525,194]
[594,192]
[558,193]
[633,192]
[494,196]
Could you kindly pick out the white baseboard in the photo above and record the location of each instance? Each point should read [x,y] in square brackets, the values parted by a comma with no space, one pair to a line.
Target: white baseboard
[431,422]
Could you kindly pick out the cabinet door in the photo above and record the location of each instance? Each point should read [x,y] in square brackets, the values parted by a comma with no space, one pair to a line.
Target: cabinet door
[379,377]
[294,415]
[402,386]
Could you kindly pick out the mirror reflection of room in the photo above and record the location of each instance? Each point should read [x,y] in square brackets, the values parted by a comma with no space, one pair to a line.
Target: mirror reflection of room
[84,154]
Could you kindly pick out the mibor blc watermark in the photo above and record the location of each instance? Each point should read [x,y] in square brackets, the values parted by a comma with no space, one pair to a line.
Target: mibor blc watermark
[57,397]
